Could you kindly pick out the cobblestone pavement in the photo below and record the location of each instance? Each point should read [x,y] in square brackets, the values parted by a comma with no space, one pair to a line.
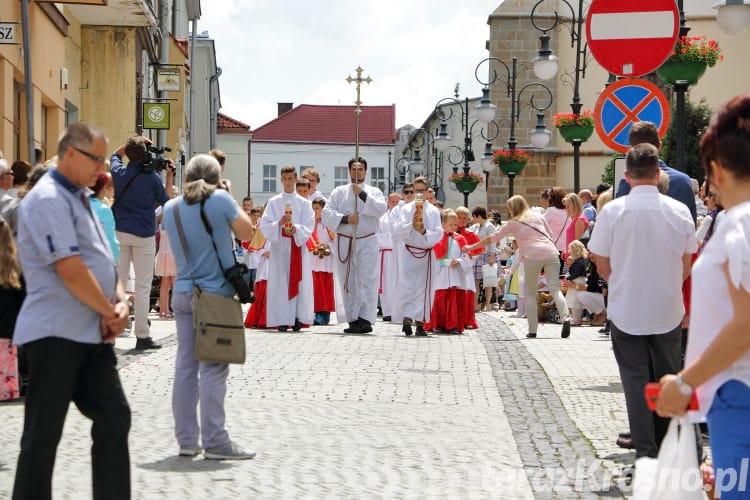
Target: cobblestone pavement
[488,414]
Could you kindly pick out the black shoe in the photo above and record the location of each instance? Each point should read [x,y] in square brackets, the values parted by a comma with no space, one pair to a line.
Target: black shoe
[146,343]
[386,318]
[604,331]
[455,331]
[297,325]
[406,328]
[565,330]
[625,434]
[531,335]
[364,326]
[282,328]
[420,331]
[354,326]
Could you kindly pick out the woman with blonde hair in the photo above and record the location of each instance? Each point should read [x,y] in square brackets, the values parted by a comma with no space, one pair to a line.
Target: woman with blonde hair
[12,293]
[576,277]
[578,221]
[538,253]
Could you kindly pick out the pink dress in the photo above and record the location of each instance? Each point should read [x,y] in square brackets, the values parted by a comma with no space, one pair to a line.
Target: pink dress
[9,380]
[570,231]
[165,265]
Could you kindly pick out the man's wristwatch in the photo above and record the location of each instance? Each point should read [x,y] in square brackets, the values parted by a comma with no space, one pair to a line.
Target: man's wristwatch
[682,386]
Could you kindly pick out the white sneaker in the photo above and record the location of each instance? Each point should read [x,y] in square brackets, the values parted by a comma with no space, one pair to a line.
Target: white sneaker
[190,451]
[230,451]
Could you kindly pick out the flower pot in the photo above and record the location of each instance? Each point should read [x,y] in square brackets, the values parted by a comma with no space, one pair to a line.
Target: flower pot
[673,71]
[571,132]
[465,186]
[511,167]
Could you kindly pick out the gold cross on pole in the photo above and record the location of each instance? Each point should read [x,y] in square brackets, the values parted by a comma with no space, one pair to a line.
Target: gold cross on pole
[357,110]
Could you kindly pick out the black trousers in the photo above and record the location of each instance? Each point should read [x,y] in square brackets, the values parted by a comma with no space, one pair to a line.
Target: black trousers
[61,371]
[642,359]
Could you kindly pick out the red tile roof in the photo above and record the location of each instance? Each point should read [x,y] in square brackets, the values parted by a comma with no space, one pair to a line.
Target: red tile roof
[309,123]
[227,125]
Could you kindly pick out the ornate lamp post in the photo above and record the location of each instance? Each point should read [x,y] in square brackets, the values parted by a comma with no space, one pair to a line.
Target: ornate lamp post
[401,167]
[539,136]
[546,65]
[424,157]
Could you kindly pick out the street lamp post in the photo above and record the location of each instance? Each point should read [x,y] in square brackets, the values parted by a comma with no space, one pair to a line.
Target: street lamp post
[546,64]
[539,135]
[421,141]
[400,168]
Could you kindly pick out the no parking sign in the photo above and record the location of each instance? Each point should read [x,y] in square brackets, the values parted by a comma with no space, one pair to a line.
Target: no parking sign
[625,102]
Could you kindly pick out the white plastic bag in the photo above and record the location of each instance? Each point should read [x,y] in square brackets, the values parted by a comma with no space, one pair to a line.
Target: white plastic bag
[675,474]
[489,275]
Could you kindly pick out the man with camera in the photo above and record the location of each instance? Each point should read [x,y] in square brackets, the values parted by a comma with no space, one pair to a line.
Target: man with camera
[138,191]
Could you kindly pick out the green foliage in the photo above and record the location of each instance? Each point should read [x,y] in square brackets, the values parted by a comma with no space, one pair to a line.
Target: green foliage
[697,118]
[609,169]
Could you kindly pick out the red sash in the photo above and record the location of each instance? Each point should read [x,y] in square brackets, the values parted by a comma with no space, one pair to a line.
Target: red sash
[471,238]
[295,267]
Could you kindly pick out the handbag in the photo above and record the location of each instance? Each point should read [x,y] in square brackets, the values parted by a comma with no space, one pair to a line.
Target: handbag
[217,319]
[674,475]
[489,275]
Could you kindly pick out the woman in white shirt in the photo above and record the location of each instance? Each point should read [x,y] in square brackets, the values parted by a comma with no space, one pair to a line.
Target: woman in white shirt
[717,364]
[557,217]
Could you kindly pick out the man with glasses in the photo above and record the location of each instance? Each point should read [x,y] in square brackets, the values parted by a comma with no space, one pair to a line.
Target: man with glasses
[138,191]
[74,309]
[6,183]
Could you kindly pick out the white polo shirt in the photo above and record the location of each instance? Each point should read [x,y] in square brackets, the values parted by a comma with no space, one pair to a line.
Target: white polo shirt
[645,236]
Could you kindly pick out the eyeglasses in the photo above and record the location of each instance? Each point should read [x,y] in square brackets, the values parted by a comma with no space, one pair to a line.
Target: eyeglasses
[91,156]
[409,192]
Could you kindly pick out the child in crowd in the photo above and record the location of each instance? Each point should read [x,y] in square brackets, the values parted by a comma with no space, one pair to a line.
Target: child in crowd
[576,277]
[452,265]
[256,315]
[250,257]
[165,267]
[470,320]
[322,265]
[12,293]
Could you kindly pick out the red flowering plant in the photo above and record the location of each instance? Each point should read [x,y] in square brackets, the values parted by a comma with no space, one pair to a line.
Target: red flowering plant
[585,119]
[696,49]
[510,156]
[460,177]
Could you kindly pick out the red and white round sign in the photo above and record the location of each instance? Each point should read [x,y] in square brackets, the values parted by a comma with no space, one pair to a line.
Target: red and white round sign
[632,37]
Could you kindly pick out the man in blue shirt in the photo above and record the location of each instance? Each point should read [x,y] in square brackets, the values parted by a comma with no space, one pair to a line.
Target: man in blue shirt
[138,191]
[74,309]
[680,187]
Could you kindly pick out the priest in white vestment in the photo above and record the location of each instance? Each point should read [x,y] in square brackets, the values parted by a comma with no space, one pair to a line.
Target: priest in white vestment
[353,212]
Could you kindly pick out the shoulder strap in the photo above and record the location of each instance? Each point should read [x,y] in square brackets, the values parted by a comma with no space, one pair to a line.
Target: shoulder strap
[183,243]
[210,231]
[561,230]
[538,231]
[117,198]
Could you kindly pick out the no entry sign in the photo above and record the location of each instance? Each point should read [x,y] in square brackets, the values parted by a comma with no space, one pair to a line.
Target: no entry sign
[632,37]
[625,102]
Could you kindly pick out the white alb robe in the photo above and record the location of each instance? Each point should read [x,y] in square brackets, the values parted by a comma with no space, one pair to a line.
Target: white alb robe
[281,310]
[356,272]
[415,260]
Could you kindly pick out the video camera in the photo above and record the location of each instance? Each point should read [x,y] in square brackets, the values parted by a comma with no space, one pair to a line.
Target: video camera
[154,160]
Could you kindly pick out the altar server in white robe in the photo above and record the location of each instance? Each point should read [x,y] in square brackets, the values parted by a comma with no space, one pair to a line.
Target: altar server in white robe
[287,224]
[356,247]
[416,263]
[387,261]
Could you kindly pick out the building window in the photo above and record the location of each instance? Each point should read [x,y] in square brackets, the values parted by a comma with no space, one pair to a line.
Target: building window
[269,178]
[378,177]
[341,176]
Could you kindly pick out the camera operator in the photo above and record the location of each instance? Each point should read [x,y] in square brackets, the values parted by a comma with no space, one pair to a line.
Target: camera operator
[138,190]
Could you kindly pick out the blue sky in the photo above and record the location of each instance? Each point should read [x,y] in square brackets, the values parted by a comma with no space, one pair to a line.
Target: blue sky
[300,51]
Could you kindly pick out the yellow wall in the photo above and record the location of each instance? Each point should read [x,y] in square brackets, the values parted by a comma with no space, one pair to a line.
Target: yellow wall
[108,80]
[47,59]
[177,127]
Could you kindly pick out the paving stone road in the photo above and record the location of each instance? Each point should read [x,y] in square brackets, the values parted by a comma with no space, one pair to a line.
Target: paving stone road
[488,414]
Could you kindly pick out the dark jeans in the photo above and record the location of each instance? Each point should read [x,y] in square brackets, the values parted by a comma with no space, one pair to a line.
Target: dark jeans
[643,359]
[61,371]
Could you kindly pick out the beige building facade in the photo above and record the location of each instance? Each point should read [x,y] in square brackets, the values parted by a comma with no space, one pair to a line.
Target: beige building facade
[513,35]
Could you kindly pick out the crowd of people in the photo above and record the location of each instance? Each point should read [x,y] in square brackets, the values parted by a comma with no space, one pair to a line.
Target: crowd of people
[617,258]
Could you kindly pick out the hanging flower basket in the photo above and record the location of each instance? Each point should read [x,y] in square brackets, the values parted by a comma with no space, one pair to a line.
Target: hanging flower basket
[466,183]
[673,71]
[511,162]
[572,126]
[689,60]
[572,132]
